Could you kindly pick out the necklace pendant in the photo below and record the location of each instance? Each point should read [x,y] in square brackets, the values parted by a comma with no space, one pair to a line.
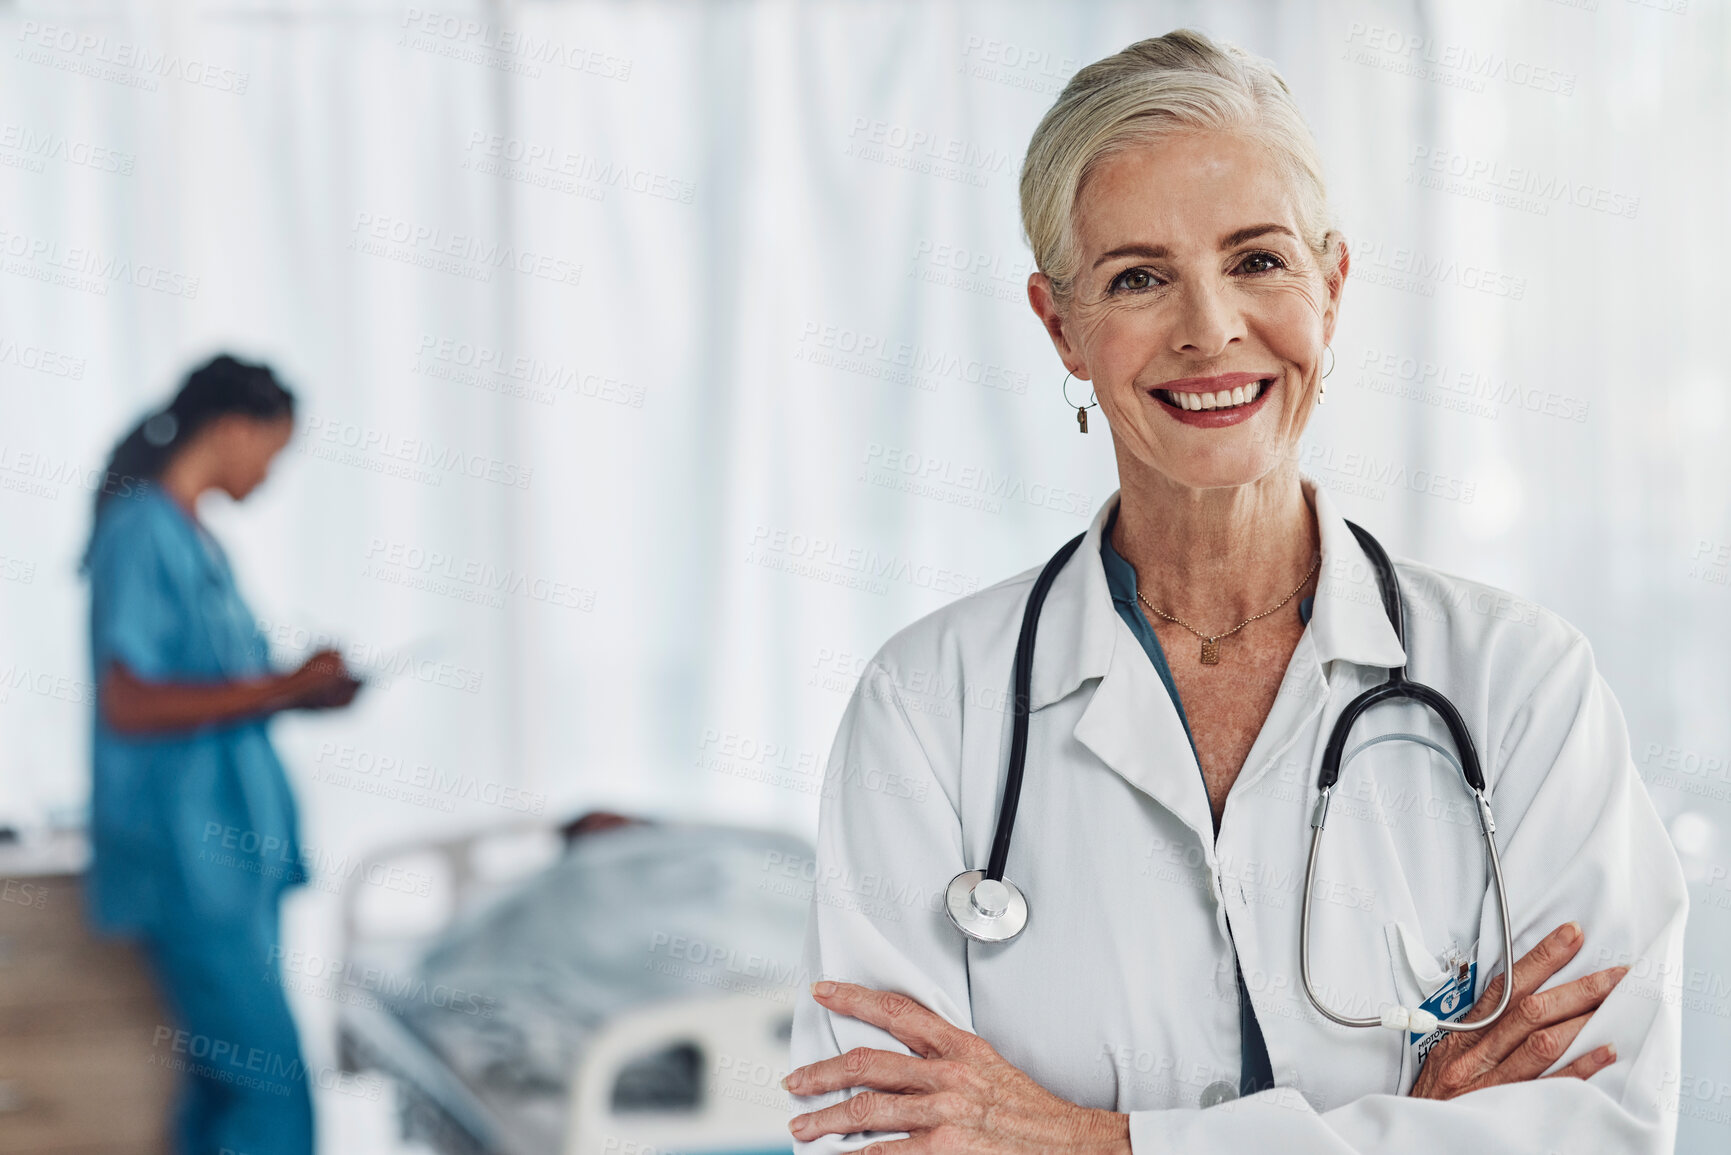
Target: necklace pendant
[1210,652]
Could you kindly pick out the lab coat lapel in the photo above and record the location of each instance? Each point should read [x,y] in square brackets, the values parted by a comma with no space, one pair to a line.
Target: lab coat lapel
[1129,722]
[1302,696]
[1132,726]
[1347,624]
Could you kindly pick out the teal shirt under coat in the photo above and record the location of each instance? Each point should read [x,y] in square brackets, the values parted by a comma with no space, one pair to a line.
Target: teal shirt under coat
[1257,1071]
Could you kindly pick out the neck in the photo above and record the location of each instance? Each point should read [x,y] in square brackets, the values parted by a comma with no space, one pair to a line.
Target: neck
[1216,556]
[184,480]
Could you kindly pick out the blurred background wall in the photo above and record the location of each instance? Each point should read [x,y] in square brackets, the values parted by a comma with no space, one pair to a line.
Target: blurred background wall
[658,360]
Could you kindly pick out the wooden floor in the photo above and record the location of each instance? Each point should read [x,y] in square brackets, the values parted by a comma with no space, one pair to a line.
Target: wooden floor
[78,1072]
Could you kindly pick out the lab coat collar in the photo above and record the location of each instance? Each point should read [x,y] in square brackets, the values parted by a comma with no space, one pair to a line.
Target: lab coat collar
[1079,597]
[1347,621]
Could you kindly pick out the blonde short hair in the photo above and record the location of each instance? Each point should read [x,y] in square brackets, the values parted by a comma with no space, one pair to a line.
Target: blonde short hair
[1179,82]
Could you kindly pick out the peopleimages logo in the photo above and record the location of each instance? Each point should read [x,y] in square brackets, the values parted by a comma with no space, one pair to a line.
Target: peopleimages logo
[1413,270]
[41,360]
[408,564]
[532,377]
[826,559]
[37,146]
[392,775]
[463,254]
[448,34]
[323,435]
[1369,468]
[905,361]
[926,145]
[959,483]
[1546,188]
[118,60]
[395,988]
[86,268]
[512,157]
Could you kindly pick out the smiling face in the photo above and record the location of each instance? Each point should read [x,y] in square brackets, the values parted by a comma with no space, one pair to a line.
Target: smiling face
[1196,311]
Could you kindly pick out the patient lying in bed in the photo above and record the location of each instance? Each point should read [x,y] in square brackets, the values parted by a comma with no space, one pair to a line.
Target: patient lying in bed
[633,913]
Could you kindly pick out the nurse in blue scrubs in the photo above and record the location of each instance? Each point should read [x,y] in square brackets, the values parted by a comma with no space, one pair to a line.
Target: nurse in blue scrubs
[193,825]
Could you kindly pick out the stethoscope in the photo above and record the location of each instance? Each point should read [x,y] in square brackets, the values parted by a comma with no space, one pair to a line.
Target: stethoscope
[987,907]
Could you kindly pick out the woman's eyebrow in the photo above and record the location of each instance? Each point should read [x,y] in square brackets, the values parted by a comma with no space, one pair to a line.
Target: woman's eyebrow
[1159,252]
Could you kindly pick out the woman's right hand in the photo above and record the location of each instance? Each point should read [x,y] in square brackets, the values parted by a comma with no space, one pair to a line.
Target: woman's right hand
[1532,1034]
[322,682]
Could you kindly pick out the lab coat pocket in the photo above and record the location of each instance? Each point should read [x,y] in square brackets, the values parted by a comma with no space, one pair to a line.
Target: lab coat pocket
[1441,985]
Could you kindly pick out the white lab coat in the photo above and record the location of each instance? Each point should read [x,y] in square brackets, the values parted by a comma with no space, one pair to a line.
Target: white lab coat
[1121,992]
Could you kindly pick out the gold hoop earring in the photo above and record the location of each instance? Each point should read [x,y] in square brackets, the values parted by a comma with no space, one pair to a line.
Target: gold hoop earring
[1081,410]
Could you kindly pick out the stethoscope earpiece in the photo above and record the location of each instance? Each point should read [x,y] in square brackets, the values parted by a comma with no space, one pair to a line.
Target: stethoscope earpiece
[1415,1019]
[985,909]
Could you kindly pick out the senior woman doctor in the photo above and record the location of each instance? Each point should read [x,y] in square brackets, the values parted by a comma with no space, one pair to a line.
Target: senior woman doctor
[1176,210]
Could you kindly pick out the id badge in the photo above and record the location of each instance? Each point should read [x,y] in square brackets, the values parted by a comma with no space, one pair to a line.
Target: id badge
[1448,1002]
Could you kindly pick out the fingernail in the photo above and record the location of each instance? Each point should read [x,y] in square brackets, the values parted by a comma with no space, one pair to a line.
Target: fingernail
[823,989]
[1605,1054]
[1571,932]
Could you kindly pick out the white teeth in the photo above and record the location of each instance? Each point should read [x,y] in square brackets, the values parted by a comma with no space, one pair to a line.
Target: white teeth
[1223,399]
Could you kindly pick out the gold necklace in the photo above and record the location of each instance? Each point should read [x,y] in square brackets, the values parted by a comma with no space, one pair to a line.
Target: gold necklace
[1211,646]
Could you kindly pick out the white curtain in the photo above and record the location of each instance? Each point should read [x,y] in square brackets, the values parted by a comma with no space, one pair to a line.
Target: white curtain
[657,361]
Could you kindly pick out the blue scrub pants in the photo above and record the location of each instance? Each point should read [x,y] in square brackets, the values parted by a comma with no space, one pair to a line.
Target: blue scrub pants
[245,1090]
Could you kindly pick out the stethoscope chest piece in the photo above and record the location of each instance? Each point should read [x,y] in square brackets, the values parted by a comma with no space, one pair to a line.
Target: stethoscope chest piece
[986,909]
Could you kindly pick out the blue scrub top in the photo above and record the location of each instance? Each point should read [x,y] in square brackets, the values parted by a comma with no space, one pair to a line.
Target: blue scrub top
[188,826]
[1257,1070]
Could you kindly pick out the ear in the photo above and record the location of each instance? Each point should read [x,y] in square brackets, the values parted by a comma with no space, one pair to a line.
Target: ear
[1045,306]
[1335,263]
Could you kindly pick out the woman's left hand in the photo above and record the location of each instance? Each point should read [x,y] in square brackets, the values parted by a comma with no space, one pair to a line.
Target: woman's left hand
[954,1093]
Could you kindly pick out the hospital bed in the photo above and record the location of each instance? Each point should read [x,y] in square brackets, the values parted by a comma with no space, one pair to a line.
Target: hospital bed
[627,993]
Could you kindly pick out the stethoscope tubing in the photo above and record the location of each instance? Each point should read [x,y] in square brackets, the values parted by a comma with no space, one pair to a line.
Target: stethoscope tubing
[1399,687]
[975,923]
[1487,827]
[1022,704]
